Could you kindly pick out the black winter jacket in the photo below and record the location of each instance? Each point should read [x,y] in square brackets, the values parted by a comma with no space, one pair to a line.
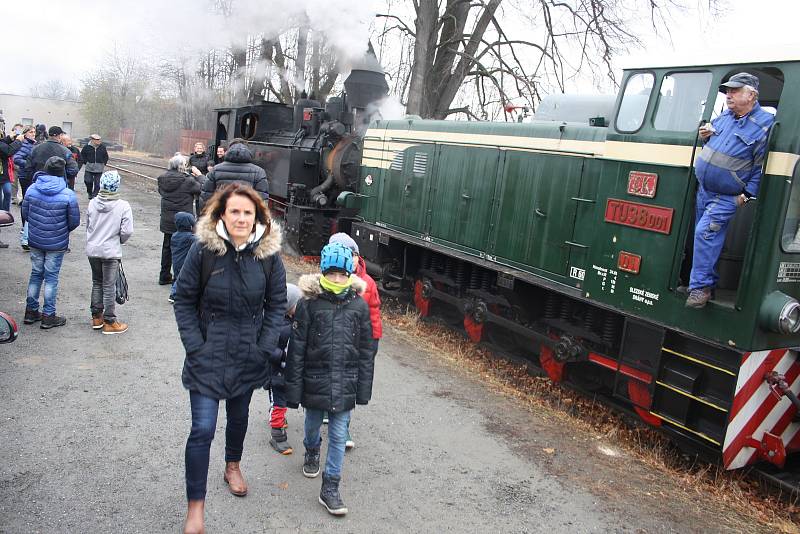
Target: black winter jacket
[230,327]
[330,364]
[7,149]
[200,161]
[90,154]
[177,190]
[44,151]
[237,167]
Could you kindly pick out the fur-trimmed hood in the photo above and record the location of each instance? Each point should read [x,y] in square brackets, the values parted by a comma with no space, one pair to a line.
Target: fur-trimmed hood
[269,244]
[309,285]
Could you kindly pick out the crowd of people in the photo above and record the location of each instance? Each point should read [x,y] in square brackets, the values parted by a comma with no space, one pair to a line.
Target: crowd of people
[242,326]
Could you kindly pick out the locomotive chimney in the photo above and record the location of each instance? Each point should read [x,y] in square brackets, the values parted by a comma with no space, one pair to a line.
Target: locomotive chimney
[366,83]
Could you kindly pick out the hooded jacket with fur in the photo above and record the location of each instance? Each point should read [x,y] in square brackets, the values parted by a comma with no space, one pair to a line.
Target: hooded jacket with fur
[230,327]
[237,167]
[330,362]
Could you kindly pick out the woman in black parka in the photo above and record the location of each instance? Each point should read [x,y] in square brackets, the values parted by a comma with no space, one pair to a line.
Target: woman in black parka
[229,305]
[178,190]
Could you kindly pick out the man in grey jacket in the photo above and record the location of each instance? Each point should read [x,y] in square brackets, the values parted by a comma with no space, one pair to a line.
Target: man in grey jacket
[109,223]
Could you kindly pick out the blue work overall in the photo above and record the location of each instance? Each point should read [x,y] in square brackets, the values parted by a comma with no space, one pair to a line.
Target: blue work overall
[729,165]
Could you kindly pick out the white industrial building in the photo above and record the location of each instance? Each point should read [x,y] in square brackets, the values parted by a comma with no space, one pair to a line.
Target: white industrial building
[35,110]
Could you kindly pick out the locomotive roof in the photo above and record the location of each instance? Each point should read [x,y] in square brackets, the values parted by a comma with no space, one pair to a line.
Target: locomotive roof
[700,60]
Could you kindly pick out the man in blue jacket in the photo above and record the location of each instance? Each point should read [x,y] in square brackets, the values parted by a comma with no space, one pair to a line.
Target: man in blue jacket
[52,212]
[728,170]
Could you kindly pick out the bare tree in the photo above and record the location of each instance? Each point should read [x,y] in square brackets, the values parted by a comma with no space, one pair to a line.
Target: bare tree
[462,47]
[54,89]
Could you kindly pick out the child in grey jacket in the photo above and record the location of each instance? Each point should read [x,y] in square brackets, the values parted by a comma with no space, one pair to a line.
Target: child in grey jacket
[109,223]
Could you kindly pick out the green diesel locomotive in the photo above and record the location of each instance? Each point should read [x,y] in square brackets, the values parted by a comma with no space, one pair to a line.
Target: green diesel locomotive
[574,239]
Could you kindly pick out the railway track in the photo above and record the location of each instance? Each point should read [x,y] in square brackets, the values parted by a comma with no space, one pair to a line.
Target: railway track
[123,165]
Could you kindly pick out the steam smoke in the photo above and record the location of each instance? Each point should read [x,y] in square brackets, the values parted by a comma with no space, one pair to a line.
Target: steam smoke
[157,29]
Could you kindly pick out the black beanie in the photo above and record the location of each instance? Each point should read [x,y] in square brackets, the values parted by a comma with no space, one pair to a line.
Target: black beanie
[55,166]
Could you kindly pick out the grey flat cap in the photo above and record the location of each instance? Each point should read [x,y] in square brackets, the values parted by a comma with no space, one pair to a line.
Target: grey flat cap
[740,80]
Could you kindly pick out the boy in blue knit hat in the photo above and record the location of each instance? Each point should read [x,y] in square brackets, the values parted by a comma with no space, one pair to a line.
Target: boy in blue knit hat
[329,366]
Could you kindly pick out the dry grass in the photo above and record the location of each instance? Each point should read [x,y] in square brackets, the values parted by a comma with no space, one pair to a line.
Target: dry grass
[698,480]
[298,265]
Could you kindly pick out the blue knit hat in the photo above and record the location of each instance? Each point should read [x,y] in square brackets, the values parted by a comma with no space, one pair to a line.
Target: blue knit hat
[344,239]
[109,181]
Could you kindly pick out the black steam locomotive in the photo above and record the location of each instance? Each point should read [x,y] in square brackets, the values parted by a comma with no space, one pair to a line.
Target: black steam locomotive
[311,153]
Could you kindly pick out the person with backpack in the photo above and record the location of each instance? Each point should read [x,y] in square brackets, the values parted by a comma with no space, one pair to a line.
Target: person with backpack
[229,305]
[109,224]
[8,146]
[330,363]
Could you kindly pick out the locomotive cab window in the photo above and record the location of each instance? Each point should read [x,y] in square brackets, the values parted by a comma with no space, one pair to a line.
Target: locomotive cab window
[634,102]
[681,101]
[248,125]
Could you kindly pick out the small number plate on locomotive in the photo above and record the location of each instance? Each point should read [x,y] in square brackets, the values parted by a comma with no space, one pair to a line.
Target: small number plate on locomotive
[642,184]
[628,262]
[789,272]
[505,280]
[644,216]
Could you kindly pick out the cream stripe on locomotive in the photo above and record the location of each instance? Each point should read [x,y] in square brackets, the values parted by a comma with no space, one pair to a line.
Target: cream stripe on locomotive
[778,163]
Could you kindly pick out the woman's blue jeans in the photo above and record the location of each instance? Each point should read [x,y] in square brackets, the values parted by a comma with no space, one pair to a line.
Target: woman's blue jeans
[5,196]
[204,426]
[337,434]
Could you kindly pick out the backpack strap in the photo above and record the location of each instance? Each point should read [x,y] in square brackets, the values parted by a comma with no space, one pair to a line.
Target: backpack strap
[208,260]
[206,266]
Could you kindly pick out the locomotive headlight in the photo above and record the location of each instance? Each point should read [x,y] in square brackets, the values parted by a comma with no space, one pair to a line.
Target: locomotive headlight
[780,313]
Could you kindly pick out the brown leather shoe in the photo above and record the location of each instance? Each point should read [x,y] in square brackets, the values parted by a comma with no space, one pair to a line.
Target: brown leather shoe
[233,476]
[195,522]
[114,328]
[97,321]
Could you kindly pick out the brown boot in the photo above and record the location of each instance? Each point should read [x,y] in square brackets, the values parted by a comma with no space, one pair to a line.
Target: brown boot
[235,479]
[97,320]
[195,521]
[114,328]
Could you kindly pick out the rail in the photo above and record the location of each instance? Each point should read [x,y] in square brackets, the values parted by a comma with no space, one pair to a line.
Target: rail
[144,164]
[134,162]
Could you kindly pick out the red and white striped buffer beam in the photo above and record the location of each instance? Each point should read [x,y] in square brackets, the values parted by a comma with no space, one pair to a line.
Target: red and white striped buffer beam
[761,421]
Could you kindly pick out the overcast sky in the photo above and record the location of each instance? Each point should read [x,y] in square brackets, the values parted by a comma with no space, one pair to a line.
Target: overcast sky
[67,38]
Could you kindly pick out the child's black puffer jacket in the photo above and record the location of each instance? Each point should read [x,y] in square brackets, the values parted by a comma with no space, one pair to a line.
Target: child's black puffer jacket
[330,365]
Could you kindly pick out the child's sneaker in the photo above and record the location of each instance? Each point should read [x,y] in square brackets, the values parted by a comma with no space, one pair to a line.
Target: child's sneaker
[311,463]
[280,442]
[324,418]
[348,441]
[329,495]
